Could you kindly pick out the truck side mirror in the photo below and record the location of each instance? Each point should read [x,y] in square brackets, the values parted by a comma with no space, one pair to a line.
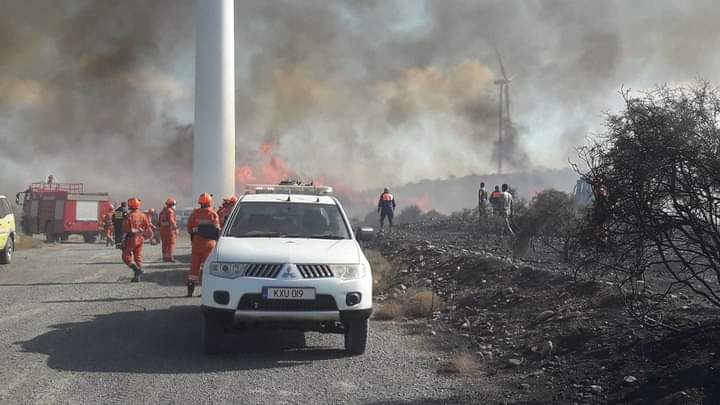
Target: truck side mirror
[365,234]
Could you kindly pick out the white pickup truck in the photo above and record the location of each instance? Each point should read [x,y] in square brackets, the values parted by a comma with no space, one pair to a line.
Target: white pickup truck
[288,259]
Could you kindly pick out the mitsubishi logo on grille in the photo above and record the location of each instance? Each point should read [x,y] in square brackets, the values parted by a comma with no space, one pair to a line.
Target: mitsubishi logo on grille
[290,272]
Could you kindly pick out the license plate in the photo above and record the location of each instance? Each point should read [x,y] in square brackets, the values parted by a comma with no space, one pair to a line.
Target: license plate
[284,293]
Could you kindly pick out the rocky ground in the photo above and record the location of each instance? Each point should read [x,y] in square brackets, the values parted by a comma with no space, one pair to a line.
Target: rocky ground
[549,337]
[73,329]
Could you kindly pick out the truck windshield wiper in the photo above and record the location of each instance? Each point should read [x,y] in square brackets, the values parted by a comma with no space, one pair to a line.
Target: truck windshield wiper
[326,236]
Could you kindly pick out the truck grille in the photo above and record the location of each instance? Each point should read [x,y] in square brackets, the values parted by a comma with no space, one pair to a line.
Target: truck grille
[263,270]
[315,270]
[255,302]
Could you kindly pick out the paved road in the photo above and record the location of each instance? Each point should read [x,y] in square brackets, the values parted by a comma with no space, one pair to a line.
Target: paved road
[74,330]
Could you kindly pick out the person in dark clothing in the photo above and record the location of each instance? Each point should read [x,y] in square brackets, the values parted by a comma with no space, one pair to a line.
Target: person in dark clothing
[386,208]
[118,218]
[482,204]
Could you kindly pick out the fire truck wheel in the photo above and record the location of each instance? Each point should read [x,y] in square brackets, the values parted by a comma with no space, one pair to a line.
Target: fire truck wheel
[90,237]
[50,236]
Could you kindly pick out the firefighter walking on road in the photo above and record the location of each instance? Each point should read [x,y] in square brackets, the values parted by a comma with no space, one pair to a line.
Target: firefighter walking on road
[118,218]
[135,226]
[168,230]
[153,236]
[386,208]
[107,223]
[204,228]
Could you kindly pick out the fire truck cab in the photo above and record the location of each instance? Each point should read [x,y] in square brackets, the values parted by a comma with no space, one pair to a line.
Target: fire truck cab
[61,209]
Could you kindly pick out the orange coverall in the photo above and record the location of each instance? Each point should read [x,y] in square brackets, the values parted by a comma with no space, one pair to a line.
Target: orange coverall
[136,224]
[108,228]
[201,247]
[168,232]
[223,213]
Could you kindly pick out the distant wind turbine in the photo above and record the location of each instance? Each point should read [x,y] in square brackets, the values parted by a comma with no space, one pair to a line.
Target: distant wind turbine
[504,123]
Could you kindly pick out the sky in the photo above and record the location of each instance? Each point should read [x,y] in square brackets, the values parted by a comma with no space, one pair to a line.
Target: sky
[363,93]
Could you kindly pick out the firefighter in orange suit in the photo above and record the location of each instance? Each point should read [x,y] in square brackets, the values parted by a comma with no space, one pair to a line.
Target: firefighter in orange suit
[135,226]
[152,235]
[204,228]
[221,211]
[168,230]
[226,209]
[107,222]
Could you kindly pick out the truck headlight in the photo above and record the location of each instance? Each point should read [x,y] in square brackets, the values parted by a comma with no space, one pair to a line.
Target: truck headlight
[348,271]
[228,270]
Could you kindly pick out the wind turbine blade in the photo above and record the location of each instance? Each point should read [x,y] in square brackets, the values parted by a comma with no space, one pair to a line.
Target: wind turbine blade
[502,67]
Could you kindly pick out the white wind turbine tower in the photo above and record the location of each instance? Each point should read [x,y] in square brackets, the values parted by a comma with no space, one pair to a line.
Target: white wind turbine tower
[504,124]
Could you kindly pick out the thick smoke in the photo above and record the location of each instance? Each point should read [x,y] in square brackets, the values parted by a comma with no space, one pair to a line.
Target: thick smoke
[369,92]
[91,91]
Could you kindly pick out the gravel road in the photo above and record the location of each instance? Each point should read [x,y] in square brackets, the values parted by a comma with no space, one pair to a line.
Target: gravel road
[73,329]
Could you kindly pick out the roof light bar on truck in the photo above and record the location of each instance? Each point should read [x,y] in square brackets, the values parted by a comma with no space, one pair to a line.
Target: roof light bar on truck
[287,189]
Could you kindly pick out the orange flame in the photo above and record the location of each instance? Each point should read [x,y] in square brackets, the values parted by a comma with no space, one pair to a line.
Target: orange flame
[268,169]
[422,202]
[244,174]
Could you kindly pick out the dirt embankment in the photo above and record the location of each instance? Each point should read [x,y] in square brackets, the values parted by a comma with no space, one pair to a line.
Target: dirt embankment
[552,338]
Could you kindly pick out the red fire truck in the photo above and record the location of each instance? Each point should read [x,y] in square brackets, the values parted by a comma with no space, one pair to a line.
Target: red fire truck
[61,209]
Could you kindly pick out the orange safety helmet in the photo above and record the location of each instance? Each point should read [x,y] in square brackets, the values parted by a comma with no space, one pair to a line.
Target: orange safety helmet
[170,202]
[232,199]
[205,199]
[133,203]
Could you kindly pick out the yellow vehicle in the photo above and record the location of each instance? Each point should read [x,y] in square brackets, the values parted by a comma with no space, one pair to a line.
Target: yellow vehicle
[7,231]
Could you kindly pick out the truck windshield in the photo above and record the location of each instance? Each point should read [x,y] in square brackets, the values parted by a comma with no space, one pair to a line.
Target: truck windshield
[288,220]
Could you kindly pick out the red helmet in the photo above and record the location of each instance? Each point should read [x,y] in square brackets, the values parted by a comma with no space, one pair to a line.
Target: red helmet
[111,208]
[232,199]
[170,202]
[133,203]
[151,210]
[205,199]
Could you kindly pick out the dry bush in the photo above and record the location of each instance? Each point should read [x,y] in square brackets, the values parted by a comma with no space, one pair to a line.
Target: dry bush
[653,224]
[388,311]
[381,271]
[552,219]
[410,215]
[461,364]
[420,303]
[24,242]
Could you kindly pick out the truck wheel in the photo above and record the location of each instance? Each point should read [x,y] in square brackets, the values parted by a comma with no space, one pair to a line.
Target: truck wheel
[49,234]
[90,237]
[6,254]
[211,335]
[356,332]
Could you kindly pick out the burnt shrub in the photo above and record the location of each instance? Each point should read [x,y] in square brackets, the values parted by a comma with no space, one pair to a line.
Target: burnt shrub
[655,175]
[550,218]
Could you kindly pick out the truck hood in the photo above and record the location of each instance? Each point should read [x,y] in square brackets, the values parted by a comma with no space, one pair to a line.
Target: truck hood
[287,250]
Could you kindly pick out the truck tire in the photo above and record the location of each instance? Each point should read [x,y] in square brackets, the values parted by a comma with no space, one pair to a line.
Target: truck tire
[6,254]
[211,336]
[90,237]
[356,334]
[50,236]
